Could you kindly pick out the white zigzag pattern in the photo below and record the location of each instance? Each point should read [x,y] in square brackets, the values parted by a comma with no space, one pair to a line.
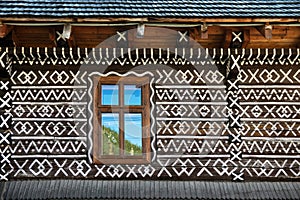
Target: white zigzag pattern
[68,147]
[192,146]
[270,94]
[48,94]
[190,94]
[286,147]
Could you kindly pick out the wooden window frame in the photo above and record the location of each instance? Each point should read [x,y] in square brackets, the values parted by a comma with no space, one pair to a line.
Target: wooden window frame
[144,109]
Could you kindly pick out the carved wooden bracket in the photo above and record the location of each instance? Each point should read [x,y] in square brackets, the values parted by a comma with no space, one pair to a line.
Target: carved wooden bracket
[266,31]
[67,31]
[72,41]
[204,31]
[52,36]
[4,30]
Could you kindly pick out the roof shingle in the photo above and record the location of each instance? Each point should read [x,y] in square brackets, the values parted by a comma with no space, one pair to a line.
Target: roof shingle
[150,8]
[137,189]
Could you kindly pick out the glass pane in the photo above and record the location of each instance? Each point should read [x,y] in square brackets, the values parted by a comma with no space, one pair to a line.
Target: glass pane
[133,133]
[110,94]
[110,134]
[132,95]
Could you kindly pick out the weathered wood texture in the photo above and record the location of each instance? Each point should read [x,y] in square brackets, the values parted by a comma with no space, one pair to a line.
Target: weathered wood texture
[88,36]
[215,113]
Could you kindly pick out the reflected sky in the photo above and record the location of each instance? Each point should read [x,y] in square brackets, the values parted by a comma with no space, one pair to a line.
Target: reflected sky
[132,95]
[133,128]
[111,120]
[110,94]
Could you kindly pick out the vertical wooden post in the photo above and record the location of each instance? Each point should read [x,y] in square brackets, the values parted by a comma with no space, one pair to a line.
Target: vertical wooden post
[5,117]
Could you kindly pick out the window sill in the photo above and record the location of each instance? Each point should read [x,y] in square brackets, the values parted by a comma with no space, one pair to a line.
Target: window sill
[129,161]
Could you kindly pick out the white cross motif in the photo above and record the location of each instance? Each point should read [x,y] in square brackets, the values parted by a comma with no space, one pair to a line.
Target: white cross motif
[237,36]
[4,85]
[183,36]
[121,36]
[60,36]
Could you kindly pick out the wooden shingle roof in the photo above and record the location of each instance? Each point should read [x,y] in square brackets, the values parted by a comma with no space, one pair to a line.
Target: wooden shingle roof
[138,189]
[149,8]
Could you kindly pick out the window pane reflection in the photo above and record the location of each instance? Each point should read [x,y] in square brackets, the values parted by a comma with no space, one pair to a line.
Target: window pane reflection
[132,95]
[110,94]
[110,133]
[133,133]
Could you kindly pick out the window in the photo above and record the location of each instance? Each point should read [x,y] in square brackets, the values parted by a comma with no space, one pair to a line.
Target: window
[122,120]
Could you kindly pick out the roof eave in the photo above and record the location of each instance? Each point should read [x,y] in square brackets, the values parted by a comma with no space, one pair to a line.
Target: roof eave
[152,19]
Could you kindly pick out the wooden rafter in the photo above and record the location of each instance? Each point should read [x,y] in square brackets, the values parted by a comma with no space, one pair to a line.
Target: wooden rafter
[266,31]
[199,32]
[72,41]
[204,31]
[227,39]
[246,38]
[15,38]
[52,36]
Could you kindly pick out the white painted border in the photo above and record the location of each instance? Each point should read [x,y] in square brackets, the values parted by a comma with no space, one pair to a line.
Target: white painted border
[91,113]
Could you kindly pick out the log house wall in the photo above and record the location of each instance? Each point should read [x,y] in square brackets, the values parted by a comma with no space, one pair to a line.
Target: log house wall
[248,126]
[87,36]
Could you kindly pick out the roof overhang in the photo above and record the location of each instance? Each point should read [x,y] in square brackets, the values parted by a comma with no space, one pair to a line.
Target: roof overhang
[146,19]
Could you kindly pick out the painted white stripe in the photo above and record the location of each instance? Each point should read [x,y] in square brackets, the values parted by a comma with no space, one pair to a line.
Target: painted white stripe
[48,156]
[123,75]
[290,139]
[270,156]
[268,86]
[192,137]
[190,86]
[194,156]
[46,138]
[270,119]
[49,119]
[192,119]
[50,87]
[269,103]
[193,103]
[49,103]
